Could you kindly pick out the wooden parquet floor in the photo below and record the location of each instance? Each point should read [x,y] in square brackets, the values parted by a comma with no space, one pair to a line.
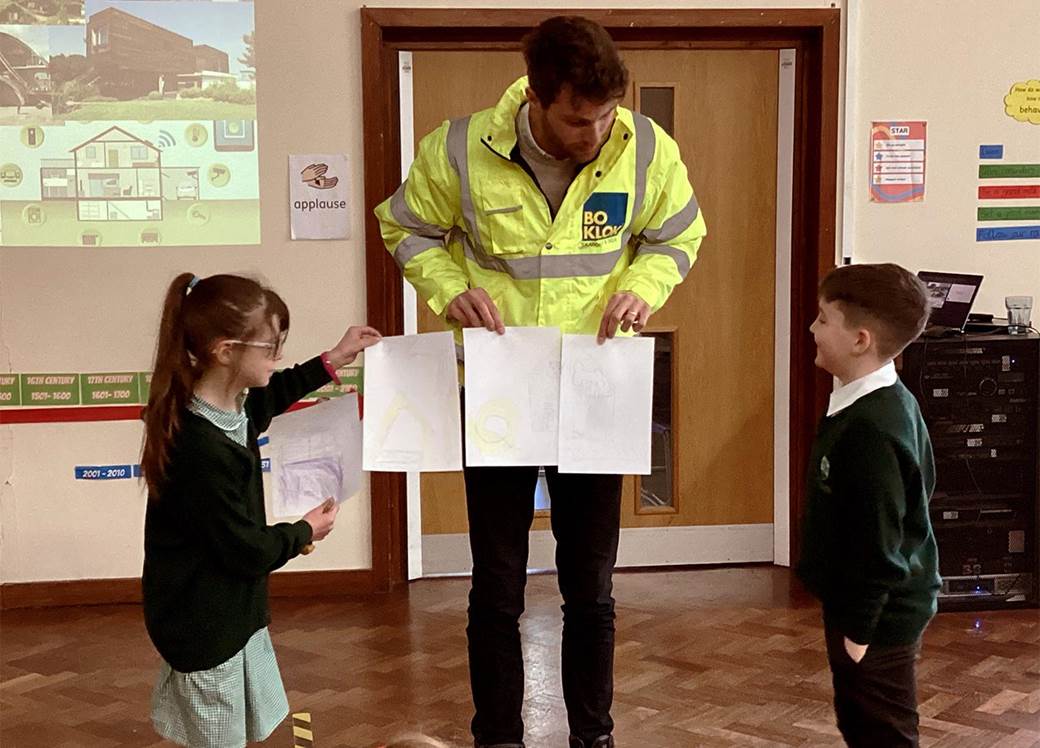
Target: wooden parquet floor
[714,657]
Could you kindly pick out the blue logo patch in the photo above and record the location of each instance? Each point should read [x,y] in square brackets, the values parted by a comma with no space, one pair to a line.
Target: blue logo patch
[603,215]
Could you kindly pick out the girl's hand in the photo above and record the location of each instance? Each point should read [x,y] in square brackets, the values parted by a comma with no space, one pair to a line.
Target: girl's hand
[321,519]
[355,340]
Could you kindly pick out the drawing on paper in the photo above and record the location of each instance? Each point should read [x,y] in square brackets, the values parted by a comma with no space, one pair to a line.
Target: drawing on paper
[543,393]
[412,407]
[594,408]
[312,480]
[493,431]
[403,433]
[315,454]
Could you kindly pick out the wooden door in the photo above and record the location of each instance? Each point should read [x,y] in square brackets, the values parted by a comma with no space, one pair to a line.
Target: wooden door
[713,434]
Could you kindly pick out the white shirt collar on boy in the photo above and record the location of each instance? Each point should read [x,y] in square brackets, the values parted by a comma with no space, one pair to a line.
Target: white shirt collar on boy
[846,395]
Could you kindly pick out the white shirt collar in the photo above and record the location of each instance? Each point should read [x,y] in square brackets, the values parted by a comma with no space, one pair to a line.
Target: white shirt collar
[846,395]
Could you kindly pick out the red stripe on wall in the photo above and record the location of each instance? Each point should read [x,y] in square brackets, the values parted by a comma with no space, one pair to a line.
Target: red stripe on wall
[92,413]
[1008,191]
[71,415]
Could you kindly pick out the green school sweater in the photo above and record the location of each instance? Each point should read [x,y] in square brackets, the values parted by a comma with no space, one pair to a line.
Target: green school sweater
[868,551]
[207,546]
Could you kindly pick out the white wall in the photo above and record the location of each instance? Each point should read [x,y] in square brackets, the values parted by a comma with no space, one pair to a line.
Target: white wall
[75,310]
[949,63]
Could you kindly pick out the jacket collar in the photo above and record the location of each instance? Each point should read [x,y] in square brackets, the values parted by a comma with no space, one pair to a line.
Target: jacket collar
[500,131]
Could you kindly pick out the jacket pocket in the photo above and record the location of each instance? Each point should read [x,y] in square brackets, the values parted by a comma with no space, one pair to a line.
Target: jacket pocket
[505,220]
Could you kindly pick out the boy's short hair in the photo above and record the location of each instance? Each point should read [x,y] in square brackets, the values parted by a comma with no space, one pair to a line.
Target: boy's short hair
[574,51]
[887,299]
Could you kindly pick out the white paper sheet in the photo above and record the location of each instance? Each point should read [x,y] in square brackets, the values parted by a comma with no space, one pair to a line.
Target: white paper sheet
[315,453]
[412,419]
[606,393]
[512,396]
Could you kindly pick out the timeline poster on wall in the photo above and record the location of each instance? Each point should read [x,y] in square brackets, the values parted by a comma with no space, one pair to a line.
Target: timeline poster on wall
[130,124]
[897,161]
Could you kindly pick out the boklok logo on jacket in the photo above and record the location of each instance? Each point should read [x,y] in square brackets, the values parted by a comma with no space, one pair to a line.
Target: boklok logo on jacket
[603,215]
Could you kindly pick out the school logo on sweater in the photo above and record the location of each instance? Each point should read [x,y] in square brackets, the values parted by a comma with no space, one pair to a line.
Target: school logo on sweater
[603,215]
[825,468]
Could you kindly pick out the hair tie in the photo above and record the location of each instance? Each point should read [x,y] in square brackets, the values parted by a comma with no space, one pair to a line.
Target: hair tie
[191,284]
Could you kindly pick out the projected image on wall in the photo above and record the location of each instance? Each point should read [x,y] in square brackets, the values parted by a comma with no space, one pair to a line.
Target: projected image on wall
[137,128]
[41,11]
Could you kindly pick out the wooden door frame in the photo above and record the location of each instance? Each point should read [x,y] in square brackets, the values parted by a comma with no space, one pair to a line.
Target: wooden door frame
[814,33]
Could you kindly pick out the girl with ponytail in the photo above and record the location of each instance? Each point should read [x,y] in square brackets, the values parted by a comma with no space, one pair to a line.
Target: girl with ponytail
[208,547]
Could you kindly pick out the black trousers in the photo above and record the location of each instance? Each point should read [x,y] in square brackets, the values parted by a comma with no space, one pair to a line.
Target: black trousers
[586,516]
[875,700]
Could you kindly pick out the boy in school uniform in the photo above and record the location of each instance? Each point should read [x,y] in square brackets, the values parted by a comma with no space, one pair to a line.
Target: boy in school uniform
[868,551]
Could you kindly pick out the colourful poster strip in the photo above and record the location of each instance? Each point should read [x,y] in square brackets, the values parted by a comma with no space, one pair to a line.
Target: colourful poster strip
[107,472]
[10,390]
[117,388]
[49,389]
[1009,191]
[1023,213]
[144,378]
[1007,233]
[110,389]
[1006,213]
[56,398]
[1009,171]
[125,472]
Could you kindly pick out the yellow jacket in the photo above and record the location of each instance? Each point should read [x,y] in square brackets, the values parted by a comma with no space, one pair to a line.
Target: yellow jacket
[470,216]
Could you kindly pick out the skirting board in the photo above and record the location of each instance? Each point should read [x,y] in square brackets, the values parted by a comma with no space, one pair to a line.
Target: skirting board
[640,546]
[128,589]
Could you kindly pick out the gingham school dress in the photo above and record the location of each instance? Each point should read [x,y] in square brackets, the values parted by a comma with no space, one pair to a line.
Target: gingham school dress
[239,700]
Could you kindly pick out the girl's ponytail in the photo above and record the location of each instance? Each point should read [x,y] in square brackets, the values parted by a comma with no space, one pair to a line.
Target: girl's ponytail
[173,379]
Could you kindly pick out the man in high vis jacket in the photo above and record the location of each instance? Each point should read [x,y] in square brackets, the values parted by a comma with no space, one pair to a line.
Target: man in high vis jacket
[554,208]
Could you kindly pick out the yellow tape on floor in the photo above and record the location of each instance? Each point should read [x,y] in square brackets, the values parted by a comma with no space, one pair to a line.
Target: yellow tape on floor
[303,735]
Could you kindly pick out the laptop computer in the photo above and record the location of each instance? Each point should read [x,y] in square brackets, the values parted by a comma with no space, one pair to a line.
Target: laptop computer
[951,296]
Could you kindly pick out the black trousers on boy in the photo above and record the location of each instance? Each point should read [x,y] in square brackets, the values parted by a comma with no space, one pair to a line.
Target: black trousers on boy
[586,516]
[875,699]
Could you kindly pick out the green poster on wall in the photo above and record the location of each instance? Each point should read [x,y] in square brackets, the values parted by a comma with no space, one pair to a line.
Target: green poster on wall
[50,389]
[110,389]
[10,392]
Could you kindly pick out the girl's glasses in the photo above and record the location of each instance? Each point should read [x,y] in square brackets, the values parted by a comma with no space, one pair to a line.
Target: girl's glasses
[274,349]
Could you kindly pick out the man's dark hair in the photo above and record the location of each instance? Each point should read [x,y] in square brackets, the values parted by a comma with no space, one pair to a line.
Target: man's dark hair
[886,298]
[571,50]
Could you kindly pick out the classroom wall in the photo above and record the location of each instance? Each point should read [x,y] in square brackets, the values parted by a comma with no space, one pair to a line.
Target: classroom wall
[78,310]
[951,64]
[67,309]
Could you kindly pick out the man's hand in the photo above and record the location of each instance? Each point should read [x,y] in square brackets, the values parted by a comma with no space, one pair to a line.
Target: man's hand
[624,309]
[855,651]
[474,308]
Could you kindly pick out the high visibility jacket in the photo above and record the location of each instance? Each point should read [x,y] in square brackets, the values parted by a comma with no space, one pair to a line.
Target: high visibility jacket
[470,216]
